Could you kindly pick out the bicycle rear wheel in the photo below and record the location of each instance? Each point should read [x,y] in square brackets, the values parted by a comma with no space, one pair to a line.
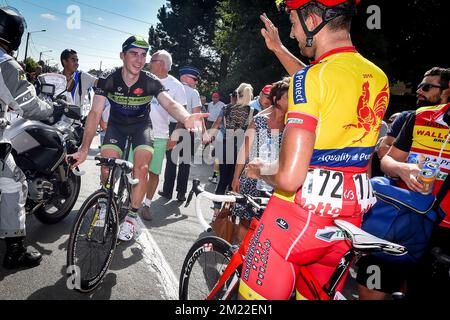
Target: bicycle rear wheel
[202,268]
[90,253]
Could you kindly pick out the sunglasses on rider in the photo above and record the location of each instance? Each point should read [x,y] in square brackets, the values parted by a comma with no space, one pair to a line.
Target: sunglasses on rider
[427,86]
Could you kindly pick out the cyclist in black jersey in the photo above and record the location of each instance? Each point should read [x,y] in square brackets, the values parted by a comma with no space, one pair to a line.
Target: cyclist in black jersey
[130,90]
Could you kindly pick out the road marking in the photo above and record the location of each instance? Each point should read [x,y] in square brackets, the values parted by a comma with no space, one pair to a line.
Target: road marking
[154,258]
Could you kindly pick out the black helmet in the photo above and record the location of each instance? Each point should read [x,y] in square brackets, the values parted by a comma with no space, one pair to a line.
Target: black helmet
[12,26]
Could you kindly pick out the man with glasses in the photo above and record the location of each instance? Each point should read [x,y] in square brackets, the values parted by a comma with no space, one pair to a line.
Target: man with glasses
[424,135]
[262,102]
[189,78]
[160,65]
[433,90]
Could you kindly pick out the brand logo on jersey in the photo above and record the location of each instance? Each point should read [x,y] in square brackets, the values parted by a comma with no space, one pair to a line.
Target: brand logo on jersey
[427,133]
[329,234]
[119,89]
[344,157]
[138,91]
[295,121]
[369,117]
[299,86]
[282,224]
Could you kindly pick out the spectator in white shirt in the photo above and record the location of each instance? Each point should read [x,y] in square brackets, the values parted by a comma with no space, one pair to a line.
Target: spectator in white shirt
[214,109]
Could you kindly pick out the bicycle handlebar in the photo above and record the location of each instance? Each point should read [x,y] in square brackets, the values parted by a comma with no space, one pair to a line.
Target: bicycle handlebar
[76,171]
[256,202]
[126,166]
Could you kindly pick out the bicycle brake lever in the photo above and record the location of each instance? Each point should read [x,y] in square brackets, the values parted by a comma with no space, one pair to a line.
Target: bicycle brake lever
[131,180]
[189,198]
[76,171]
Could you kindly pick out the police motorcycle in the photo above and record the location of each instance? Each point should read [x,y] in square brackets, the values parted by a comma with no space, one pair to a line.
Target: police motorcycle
[39,149]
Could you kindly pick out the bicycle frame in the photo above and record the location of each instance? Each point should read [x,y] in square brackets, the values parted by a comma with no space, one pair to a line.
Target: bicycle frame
[109,188]
[237,259]
[361,243]
[327,292]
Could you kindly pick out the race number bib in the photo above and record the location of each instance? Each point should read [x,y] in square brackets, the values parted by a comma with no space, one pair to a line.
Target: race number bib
[364,192]
[323,192]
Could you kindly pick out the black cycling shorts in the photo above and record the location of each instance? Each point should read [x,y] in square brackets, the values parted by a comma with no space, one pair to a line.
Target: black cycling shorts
[116,136]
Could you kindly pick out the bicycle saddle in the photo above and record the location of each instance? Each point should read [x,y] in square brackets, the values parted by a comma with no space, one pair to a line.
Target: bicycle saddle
[364,241]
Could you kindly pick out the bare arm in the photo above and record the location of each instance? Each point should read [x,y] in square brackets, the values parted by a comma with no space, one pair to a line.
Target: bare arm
[90,129]
[180,124]
[394,165]
[175,109]
[215,127]
[92,121]
[385,144]
[191,122]
[270,33]
[243,154]
[289,173]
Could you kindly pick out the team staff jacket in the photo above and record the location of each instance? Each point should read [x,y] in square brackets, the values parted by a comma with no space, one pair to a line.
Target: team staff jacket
[342,98]
[23,91]
[129,105]
[423,137]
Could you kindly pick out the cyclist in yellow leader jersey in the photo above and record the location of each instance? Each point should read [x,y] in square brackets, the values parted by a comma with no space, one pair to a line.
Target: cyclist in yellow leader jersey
[336,105]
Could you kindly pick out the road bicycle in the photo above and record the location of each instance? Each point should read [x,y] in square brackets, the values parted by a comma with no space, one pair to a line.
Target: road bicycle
[93,238]
[212,267]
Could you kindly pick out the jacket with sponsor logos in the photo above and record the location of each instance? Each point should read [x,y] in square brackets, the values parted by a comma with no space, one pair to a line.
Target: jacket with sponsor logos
[424,137]
[21,90]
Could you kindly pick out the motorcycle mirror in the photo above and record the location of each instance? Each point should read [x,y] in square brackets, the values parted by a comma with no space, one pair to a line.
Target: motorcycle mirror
[48,89]
[61,95]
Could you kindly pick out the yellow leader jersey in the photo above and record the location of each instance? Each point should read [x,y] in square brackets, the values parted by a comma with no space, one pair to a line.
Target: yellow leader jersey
[342,98]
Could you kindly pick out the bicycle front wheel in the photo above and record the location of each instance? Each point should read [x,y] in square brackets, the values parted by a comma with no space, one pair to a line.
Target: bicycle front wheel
[202,268]
[92,242]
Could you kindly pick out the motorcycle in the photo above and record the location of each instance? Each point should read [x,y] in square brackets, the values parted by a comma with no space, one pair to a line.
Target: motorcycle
[39,149]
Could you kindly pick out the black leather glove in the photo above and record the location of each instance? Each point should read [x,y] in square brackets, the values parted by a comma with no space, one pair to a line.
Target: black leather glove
[58,108]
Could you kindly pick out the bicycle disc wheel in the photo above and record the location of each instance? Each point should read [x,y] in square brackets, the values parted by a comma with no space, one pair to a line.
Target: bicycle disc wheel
[202,268]
[90,251]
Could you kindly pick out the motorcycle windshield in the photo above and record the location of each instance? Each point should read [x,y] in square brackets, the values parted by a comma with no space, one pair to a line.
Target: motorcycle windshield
[58,80]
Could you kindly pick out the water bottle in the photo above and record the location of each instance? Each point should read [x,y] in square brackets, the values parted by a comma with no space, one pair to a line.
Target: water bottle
[266,153]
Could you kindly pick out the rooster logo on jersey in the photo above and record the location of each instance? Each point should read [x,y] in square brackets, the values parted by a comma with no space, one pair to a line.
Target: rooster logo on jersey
[369,118]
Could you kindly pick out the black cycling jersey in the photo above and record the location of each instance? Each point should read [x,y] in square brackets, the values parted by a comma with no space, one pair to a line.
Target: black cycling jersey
[129,105]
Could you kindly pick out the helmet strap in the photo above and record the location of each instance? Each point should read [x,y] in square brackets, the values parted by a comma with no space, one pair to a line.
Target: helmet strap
[328,14]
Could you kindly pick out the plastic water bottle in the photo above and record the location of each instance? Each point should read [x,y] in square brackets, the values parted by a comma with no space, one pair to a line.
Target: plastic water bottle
[266,153]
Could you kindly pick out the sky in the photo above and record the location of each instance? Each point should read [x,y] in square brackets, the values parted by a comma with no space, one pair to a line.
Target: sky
[65,28]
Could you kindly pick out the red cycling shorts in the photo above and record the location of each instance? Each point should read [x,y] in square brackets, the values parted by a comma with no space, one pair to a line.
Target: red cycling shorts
[288,237]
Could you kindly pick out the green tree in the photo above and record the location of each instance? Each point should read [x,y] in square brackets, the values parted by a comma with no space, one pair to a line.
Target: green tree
[30,64]
[222,38]
[238,37]
[186,30]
